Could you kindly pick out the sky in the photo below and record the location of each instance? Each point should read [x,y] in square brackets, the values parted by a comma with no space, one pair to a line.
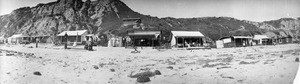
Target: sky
[253,10]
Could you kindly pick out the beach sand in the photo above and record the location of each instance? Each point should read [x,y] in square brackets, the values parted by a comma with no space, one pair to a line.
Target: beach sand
[55,65]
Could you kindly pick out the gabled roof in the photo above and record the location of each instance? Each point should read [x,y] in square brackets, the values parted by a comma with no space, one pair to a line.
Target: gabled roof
[261,37]
[73,33]
[187,34]
[144,33]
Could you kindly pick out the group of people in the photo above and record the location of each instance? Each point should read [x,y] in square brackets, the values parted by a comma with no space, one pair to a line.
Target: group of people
[89,44]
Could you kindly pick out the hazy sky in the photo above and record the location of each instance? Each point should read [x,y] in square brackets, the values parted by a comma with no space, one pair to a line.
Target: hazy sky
[254,10]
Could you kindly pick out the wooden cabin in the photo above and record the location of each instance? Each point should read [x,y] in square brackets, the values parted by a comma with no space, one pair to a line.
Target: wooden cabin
[73,36]
[236,41]
[145,38]
[18,39]
[262,40]
[184,39]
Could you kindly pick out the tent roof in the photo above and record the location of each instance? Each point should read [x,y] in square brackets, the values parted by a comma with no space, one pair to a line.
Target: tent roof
[73,33]
[261,37]
[187,34]
[144,33]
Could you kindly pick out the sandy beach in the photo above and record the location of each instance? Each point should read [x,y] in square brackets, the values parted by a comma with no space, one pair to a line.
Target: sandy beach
[55,65]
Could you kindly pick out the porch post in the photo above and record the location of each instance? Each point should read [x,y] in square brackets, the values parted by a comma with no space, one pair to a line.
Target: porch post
[152,42]
[183,42]
[176,42]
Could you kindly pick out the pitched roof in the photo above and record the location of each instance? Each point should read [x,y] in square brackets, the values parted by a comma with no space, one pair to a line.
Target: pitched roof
[72,33]
[187,34]
[144,33]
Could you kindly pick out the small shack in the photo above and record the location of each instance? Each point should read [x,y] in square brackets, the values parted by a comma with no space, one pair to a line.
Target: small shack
[262,40]
[145,38]
[73,36]
[273,36]
[182,39]
[283,37]
[236,41]
[18,39]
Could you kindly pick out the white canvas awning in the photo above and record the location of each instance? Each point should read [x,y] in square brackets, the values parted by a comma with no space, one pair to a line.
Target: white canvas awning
[18,36]
[73,33]
[90,35]
[187,34]
[248,37]
[257,37]
[2,38]
[138,33]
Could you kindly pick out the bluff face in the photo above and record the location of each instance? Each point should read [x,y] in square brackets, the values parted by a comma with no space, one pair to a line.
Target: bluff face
[105,17]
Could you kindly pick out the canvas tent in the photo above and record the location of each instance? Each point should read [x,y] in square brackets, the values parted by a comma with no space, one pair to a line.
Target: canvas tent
[262,40]
[182,39]
[73,36]
[145,38]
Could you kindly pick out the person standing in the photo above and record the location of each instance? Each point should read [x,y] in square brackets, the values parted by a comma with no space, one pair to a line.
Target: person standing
[90,45]
[37,42]
[66,39]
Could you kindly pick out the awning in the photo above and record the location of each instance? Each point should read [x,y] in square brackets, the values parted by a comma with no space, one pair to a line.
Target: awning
[2,38]
[141,33]
[73,33]
[257,37]
[248,37]
[187,34]
[90,35]
[18,36]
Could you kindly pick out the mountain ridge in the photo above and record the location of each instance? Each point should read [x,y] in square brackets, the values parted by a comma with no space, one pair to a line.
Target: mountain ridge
[105,17]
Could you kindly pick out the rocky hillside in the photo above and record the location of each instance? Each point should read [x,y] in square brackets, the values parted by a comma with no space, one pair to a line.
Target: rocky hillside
[105,17]
[290,26]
